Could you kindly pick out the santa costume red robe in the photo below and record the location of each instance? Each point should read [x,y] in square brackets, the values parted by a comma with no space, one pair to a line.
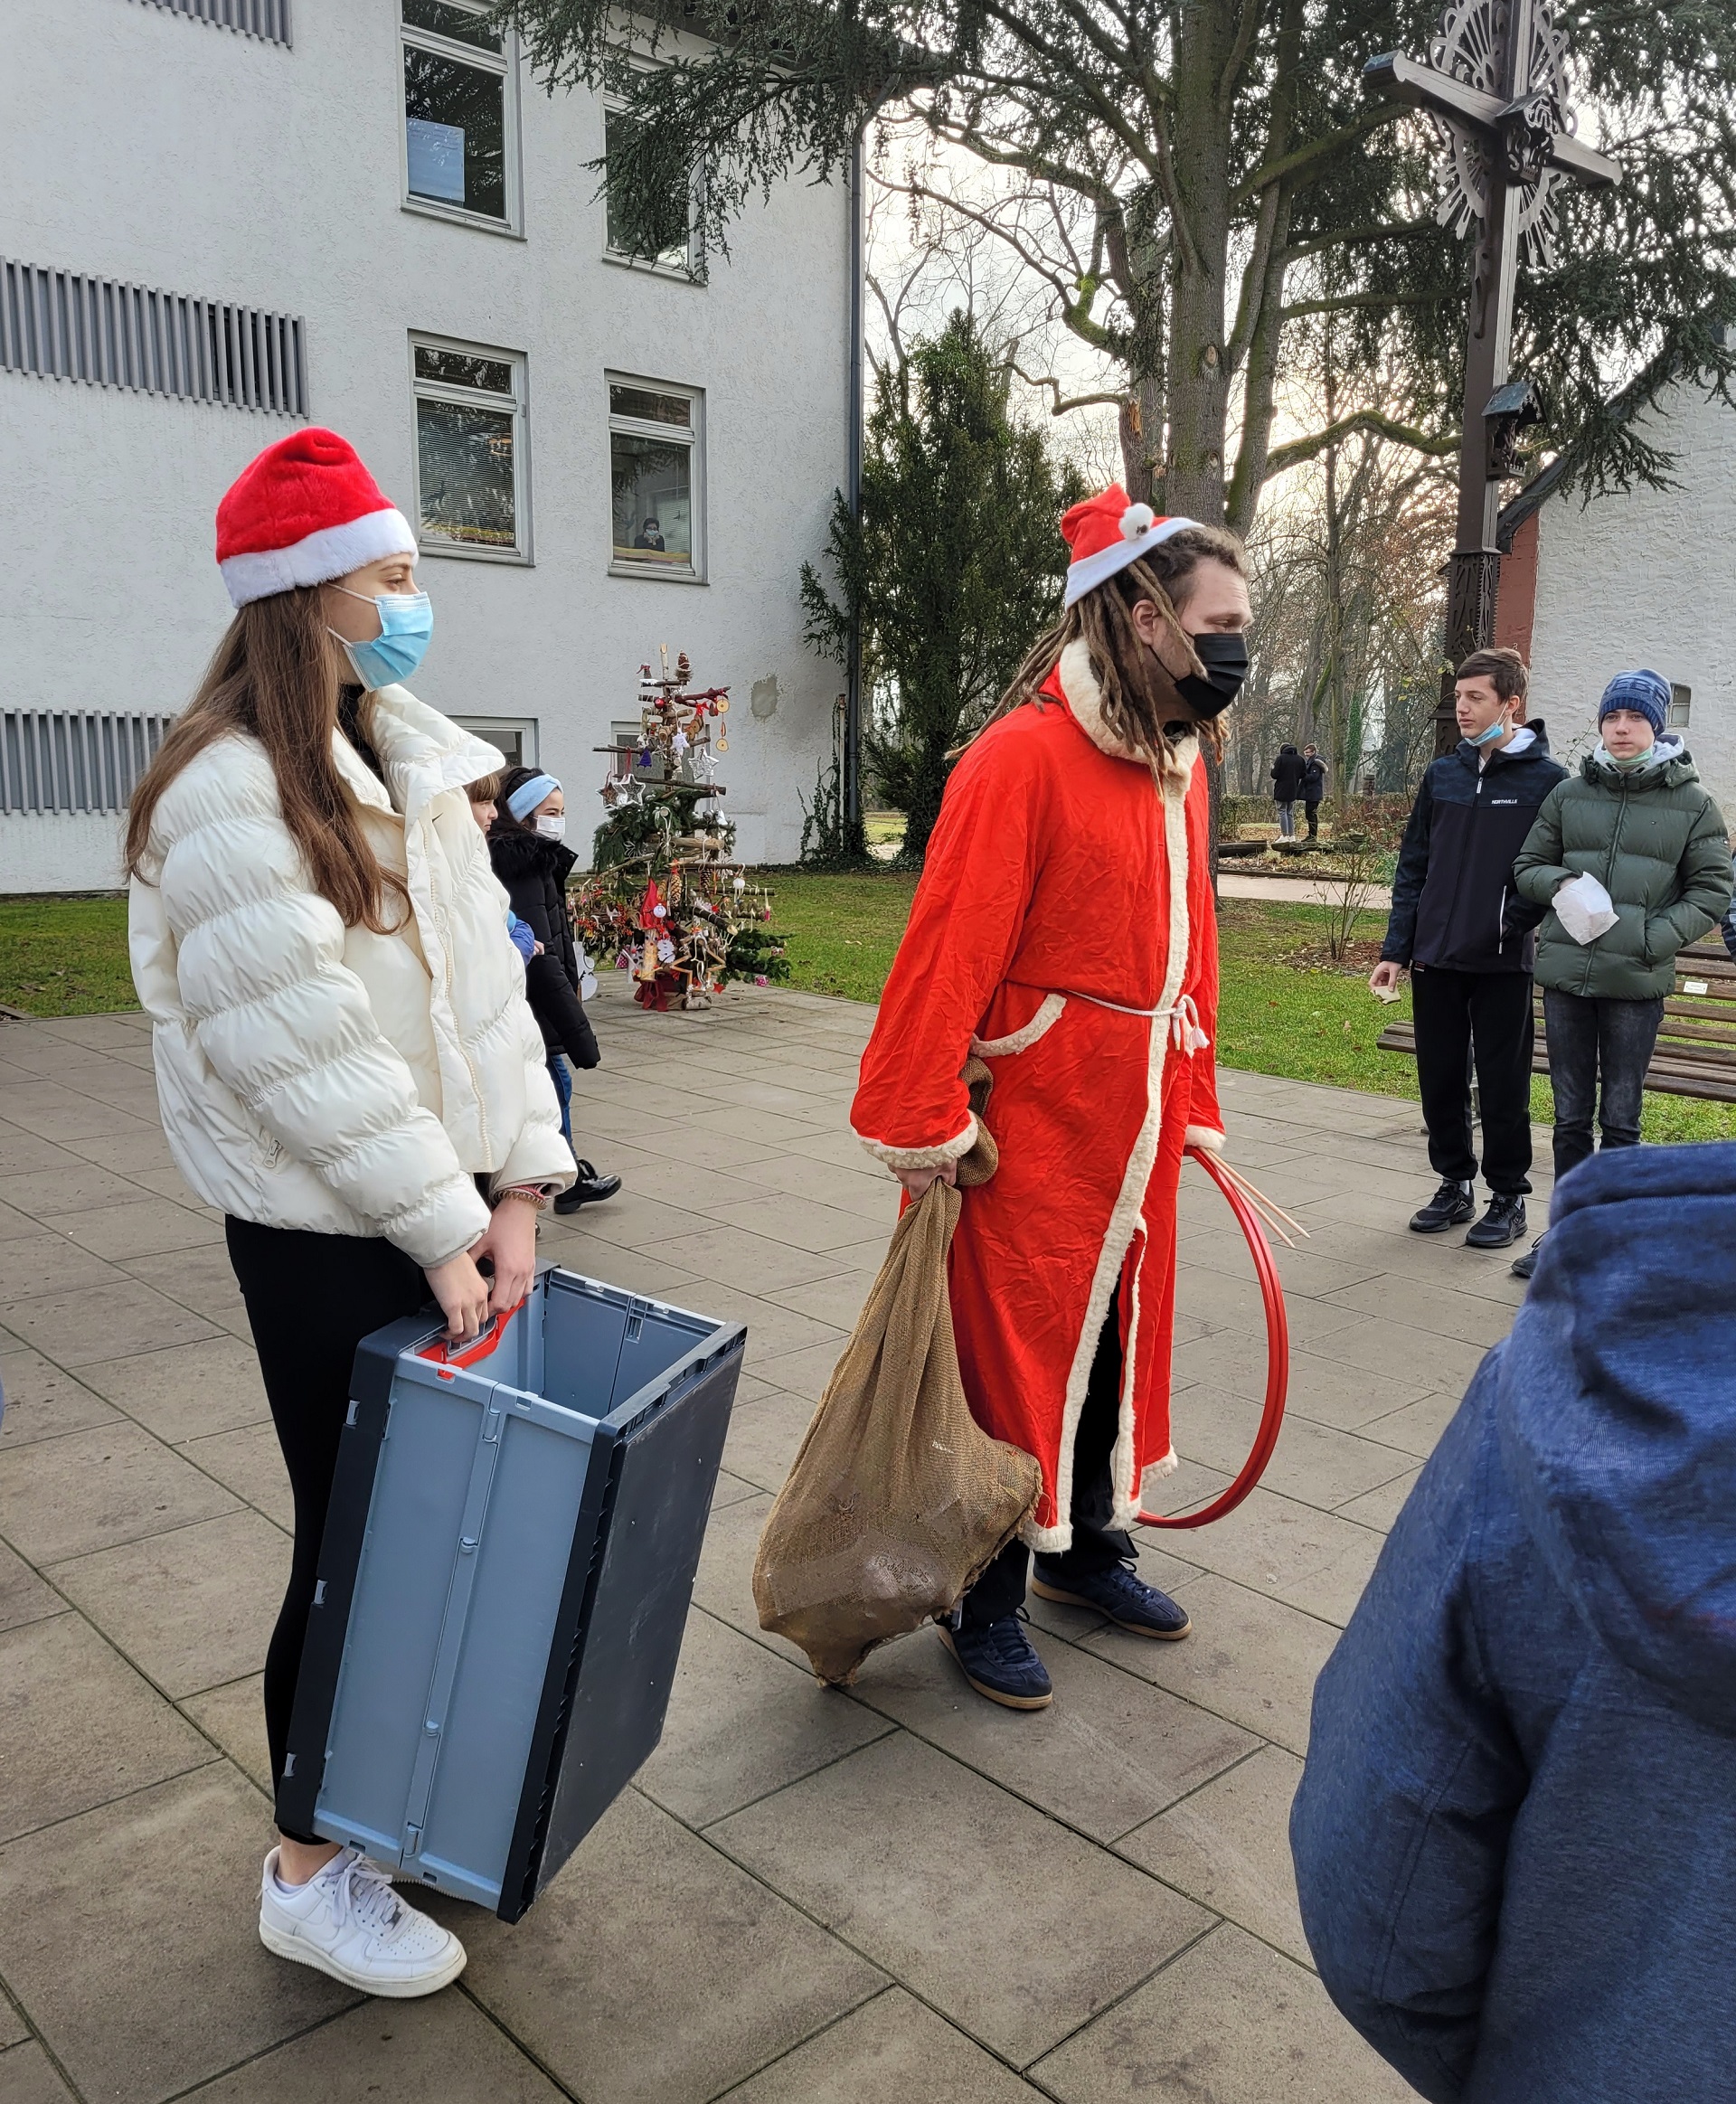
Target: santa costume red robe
[1063,930]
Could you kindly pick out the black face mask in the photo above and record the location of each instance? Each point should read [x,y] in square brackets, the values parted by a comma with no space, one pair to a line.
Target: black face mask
[1225,659]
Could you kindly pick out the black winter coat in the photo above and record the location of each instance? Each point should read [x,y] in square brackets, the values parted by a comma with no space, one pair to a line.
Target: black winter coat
[535,871]
[1314,779]
[1454,901]
[1287,771]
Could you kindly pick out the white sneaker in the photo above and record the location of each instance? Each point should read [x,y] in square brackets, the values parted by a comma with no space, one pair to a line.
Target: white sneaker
[349,1922]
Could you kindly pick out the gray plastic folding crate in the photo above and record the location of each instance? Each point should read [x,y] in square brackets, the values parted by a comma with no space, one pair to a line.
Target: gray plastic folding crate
[503,1580]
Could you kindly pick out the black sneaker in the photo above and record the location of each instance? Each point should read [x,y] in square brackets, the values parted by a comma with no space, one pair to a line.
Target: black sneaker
[589,1190]
[998,1660]
[1128,1601]
[1522,1267]
[1451,1206]
[1501,1226]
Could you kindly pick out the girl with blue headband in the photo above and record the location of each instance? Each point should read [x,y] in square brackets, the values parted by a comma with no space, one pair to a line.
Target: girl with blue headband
[527,843]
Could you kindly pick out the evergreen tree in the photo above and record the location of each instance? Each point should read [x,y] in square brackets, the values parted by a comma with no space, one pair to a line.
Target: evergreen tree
[953,568]
[1216,172]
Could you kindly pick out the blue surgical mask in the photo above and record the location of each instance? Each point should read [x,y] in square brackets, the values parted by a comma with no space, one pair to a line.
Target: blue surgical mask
[1489,736]
[406,625]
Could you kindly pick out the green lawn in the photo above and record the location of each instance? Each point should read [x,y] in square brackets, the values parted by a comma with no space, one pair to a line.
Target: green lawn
[64,957]
[67,957]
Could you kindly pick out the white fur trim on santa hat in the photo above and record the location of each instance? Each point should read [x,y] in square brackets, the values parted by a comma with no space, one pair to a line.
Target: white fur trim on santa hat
[333,552]
[1091,571]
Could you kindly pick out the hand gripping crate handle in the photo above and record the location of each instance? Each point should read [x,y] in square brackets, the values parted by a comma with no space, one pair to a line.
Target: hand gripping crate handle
[445,1353]
[1278,1361]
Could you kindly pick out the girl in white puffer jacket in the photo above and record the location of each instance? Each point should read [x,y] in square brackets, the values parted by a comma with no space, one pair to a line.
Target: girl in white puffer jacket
[345,1061]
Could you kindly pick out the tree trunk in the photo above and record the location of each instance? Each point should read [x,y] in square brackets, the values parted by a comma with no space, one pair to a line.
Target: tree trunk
[1142,439]
[1200,154]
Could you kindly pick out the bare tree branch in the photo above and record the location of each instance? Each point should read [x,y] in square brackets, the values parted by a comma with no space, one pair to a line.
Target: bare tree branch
[1362,419]
[1062,404]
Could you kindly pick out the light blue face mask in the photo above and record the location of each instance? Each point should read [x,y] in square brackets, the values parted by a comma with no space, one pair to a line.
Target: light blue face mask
[406,627]
[1491,734]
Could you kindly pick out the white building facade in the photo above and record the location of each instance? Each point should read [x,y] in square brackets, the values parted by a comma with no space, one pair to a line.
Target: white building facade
[1645,577]
[222,218]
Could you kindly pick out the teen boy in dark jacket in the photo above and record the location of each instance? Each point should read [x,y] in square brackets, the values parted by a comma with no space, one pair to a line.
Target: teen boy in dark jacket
[1516,1837]
[1459,927]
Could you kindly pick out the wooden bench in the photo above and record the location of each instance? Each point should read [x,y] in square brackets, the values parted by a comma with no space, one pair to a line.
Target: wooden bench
[1696,1047]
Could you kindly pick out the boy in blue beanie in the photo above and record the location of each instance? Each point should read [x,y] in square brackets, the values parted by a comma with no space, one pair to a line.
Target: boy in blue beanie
[1637,820]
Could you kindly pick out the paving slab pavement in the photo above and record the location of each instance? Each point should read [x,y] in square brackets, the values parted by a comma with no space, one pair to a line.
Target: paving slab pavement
[808,1897]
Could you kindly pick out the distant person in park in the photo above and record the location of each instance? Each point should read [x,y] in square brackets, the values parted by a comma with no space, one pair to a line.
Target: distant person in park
[1514,1839]
[1289,775]
[1636,820]
[1063,930]
[527,843]
[1458,927]
[345,1061]
[1313,788]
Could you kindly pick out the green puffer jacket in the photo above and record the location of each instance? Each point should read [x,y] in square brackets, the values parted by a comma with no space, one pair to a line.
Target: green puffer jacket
[1656,842]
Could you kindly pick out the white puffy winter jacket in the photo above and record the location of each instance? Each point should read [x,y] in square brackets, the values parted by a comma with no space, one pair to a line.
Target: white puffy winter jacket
[315,1076]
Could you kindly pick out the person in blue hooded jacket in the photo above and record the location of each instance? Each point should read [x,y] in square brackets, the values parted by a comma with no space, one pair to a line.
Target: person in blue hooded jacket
[1515,1834]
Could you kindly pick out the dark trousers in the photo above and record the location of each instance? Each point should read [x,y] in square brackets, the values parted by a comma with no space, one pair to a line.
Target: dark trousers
[1491,1011]
[1000,1590]
[1592,1041]
[1312,813]
[311,1298]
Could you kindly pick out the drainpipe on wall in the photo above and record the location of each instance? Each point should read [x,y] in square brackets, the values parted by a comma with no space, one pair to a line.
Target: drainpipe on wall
[853,489]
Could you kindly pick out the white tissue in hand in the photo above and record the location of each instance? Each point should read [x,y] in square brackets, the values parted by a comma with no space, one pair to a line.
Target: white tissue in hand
[1585,909]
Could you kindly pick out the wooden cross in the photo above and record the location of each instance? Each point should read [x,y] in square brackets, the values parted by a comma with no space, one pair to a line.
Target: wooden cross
[1498,88]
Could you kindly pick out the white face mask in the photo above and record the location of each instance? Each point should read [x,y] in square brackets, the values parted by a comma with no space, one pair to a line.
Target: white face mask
[552,828]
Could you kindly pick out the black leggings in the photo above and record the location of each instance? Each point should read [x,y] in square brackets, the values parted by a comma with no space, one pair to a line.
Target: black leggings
[1097,1545]
[311,1298]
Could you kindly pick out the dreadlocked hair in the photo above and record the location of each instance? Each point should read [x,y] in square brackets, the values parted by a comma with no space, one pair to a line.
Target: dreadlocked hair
[1139,699]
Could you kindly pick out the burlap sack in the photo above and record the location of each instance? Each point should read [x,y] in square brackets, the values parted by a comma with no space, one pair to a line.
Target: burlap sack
[898,1498]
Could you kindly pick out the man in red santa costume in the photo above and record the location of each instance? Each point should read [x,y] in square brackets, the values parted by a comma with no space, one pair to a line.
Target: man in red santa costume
[1063,931]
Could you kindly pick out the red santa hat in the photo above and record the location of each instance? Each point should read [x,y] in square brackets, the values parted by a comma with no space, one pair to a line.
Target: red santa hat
[304,512]
[1106,534]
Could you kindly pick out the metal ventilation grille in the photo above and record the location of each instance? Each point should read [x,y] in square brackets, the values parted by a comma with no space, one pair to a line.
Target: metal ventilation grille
[266,18]
[56,760]
[69,326]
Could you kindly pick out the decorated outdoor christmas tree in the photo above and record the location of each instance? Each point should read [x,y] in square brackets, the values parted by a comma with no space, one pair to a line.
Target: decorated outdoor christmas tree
[665,898]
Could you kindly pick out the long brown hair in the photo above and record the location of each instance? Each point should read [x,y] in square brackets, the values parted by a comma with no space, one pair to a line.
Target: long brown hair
[1136,696]
[274,676]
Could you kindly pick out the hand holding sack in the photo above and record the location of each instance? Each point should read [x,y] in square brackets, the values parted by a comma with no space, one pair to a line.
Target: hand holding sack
[898,1499]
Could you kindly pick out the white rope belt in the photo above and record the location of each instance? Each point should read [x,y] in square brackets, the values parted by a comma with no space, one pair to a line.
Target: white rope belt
[1184,1019]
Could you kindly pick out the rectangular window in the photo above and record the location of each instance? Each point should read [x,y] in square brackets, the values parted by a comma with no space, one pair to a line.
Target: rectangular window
[672,246]
[460,113]
[472,486]
[656,478]
[513,736]
[1681,703]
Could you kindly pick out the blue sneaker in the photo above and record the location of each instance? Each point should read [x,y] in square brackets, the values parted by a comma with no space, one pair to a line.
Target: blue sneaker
[1127,1600]
[998,1661]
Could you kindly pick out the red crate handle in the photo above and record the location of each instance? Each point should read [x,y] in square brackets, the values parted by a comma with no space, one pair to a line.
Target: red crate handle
[1278,1361]
[445,1353]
